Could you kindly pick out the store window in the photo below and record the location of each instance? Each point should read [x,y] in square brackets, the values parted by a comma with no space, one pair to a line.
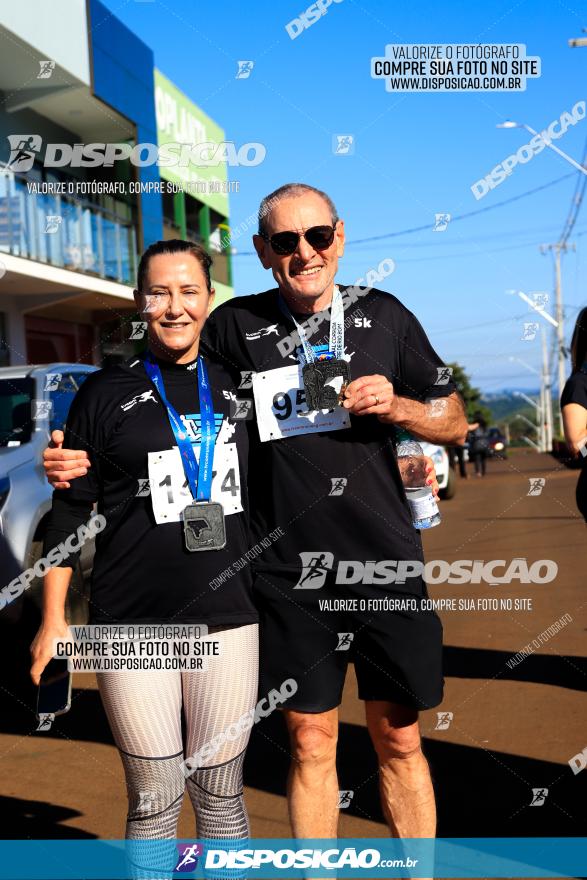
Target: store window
[170,230]
[4,350]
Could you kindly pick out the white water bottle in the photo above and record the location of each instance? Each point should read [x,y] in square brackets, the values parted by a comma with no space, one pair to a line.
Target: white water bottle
[412,467]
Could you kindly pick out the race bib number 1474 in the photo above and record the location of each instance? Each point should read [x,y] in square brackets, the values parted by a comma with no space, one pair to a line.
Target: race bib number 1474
[170,491]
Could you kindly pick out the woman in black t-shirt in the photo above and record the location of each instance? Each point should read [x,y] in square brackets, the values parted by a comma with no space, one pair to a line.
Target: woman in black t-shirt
[145,571]
[574,406]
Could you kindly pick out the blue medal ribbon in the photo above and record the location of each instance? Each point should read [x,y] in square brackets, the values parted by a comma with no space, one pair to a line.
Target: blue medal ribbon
[336,335]
[199,476]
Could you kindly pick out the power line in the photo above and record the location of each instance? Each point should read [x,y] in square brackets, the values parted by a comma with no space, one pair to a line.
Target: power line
[443,242]
[458,217]
[576,201]
[454,219]
[487,324]
[473,253]
[477,326]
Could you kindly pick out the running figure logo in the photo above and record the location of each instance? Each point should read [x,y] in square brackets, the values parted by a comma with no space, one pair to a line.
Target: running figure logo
[344,799]
[139,328]
[343,144]
[530,331]
[144,489]
[47,68]
[46,719]
[315,567]
[52,223]
[338,485]
[539,300]
[241,409]
[344,641]
[41,409]
[436,407]
[23,148]
[138,398]
[246,379]
[271,330]
[444,374]
[444,719]
[147,801]
[441,222]
[539,796]
[52,381]
[188,855]
[245,68]
[537,484]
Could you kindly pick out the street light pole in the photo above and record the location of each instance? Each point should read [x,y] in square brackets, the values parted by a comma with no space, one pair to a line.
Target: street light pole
[527,439]
[560,331]
[556,248]
[539,426]
[531,443]
[578,42]
[542,409]
[547,143]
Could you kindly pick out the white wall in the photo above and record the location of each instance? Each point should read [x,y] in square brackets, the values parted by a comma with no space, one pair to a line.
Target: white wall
[15,333]
[58,29]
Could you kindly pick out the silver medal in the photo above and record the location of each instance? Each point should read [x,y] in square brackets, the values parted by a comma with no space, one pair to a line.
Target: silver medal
[203,526]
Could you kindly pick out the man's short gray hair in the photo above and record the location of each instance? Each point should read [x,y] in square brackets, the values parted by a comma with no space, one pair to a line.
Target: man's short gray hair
[291,190]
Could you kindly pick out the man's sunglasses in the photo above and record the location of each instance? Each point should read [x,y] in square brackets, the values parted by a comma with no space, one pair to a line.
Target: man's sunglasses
[285,243]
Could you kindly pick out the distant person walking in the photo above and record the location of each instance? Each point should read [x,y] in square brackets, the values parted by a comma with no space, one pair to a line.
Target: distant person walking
[456,455]
[574,406]
[479,444]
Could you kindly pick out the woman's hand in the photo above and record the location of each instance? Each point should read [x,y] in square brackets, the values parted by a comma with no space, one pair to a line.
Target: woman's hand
[42,648]
[431,476]
[430,471]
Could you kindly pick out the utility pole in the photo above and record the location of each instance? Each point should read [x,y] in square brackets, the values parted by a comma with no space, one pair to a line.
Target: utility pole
[560,330]
[542,424]
[547,411]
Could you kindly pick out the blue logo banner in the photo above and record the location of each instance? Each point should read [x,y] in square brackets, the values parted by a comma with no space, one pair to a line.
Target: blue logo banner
[269,858]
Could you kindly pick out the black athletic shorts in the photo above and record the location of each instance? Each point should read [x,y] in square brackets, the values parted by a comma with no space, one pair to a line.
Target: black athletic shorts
[395,645]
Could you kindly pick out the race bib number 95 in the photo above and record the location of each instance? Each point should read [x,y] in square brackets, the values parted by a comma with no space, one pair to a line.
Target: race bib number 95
[281,408]
[170,491]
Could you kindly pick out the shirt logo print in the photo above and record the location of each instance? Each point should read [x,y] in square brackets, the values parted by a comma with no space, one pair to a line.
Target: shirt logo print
[139,398]
[264,331]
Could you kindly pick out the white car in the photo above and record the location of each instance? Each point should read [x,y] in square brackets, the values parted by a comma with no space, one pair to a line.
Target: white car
[444,473]
[35,400]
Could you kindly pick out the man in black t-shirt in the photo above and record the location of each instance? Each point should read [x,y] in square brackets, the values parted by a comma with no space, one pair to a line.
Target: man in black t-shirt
[341,583]
[331,482]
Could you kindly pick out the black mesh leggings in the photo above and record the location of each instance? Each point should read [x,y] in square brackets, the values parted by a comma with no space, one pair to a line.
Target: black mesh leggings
[144,712]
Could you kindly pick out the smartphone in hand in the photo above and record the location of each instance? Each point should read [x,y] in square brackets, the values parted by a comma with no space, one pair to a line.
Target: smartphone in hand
[54,693]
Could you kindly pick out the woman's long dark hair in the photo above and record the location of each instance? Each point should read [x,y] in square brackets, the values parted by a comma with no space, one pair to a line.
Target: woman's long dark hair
[579,341]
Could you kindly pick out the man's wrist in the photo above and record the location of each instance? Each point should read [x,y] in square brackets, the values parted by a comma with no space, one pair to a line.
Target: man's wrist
[396,412]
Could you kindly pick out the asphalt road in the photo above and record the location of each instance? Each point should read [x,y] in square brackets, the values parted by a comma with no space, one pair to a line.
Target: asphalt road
[513,728]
